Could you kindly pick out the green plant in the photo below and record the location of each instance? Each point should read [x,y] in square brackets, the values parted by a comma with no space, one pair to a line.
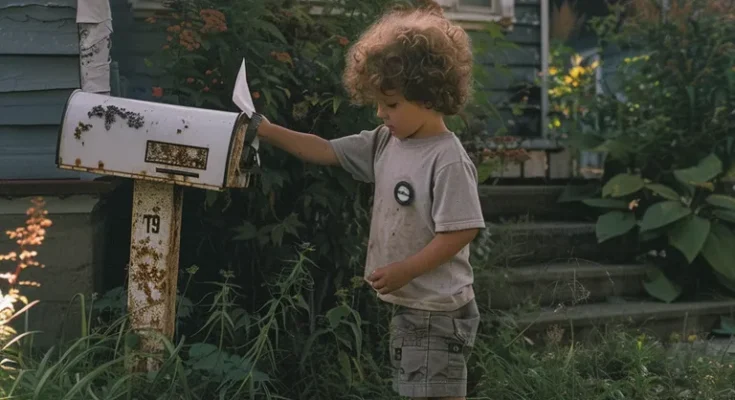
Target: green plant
[665,124]
[28,238]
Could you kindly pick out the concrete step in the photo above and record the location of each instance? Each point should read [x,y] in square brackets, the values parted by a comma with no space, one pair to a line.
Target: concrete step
[561,283]
[528,243]
[539,201]
[655,318]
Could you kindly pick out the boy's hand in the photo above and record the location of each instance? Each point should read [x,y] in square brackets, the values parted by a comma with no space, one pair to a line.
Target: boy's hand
[391,277]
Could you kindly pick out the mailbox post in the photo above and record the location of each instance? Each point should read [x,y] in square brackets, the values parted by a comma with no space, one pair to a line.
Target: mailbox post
[163,148]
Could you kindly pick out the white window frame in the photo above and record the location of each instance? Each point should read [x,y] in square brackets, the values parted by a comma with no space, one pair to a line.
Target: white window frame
[496,10]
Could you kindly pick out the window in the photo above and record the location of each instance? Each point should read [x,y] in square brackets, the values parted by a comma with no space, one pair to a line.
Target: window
[478,10]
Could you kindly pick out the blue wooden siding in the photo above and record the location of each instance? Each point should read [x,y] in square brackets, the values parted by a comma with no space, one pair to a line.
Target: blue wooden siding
[39,59]
[523,64]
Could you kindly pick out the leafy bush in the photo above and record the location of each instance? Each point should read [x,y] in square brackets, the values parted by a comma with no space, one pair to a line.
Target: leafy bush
[667,133]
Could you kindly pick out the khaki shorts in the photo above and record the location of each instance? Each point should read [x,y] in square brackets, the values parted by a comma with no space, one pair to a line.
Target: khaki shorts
[429,350]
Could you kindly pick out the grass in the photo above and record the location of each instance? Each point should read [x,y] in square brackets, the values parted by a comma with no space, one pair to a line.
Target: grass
[287,350]
[620,364]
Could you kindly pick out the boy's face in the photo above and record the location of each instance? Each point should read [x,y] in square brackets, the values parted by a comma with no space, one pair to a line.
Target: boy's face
[407,119]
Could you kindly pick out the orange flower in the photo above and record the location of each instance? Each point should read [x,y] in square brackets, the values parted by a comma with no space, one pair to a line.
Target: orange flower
[165,47]
[208,72]
[189,80]
[214,21]
[157,91]
[343,41]
[282,56]
[206,88]
[256,95]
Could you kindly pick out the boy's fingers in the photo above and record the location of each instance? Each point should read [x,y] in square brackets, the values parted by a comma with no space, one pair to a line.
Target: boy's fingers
[375,275]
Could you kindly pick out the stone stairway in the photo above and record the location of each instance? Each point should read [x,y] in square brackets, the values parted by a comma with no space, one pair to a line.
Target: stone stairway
[546,271]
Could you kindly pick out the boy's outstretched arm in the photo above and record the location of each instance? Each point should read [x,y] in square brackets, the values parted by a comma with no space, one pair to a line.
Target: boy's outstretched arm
[310,148]
[439,250]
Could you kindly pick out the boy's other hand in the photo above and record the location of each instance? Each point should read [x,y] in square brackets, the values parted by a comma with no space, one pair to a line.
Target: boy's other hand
[390,278]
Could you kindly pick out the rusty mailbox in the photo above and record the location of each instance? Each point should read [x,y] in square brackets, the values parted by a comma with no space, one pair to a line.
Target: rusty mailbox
[164,148]
[154,142]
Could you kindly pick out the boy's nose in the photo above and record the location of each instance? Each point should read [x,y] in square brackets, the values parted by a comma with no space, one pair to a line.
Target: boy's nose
[381,113]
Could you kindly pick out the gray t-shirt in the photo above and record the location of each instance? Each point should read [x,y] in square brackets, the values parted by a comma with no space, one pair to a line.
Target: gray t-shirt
[422,187]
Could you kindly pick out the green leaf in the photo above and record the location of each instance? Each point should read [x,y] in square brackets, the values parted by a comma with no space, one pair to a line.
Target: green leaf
[725,215]
[272,29]
[606,203]
[345,365]
[662,214]
[485,170]
[622,185]
[336,314]
[722,201]
[718,250]
[705,171]
[663,191]
[659,286]
[246,231]
[612,224]
[689,235]
[336,101]
[199,350]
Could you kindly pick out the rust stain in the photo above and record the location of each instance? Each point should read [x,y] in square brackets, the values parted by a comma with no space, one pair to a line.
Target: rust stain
[178,155]
[101,165]
[233,167]
[78,162]
[146,260]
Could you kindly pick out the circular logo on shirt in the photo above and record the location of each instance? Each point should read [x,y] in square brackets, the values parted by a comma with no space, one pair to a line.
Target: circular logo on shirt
[403,193]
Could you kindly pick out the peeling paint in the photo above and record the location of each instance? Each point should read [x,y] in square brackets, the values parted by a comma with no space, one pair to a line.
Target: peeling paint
[82,127]
[109,114]
[154,259]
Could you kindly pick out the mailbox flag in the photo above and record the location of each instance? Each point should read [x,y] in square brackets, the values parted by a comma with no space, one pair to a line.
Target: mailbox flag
[241,96]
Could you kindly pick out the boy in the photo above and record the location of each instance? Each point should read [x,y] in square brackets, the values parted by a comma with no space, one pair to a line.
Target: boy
[416,67]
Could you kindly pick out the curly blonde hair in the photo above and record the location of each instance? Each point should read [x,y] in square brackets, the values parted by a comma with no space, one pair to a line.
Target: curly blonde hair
[416,52]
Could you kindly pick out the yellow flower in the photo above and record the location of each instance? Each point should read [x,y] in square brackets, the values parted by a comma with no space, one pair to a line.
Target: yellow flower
[567,79]
[553,71]
[576,72]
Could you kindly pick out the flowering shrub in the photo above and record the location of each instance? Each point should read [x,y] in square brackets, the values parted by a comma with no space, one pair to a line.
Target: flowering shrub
[28,238]
[668,135]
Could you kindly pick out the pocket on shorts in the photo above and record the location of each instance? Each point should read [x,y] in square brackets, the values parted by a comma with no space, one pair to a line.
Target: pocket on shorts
[408,362]
[465,329]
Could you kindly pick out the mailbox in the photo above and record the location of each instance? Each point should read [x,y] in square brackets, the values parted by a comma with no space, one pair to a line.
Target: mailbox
[157,142]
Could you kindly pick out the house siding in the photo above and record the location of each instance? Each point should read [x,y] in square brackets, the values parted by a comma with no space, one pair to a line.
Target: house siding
[523,65]
[39,55]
